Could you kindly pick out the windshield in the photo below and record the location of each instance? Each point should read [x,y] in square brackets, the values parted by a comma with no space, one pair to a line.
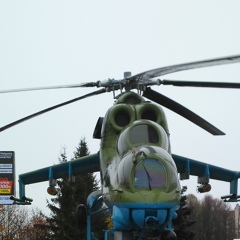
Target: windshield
[149,174]
[143,133]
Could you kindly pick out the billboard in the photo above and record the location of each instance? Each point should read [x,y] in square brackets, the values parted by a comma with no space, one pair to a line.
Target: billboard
[7,176]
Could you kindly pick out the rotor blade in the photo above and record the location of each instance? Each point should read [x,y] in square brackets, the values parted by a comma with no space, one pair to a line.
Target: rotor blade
[200,84]
[89,84]
[102,90]
[181,110]
[185,66]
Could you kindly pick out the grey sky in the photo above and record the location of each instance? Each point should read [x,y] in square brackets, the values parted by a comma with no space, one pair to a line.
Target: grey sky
[45,43]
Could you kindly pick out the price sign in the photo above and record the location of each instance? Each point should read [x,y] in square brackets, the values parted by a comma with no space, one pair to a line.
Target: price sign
[7,176]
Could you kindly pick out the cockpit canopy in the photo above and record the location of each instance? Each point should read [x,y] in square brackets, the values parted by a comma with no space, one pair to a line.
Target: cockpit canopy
[149,173]
[141,133]
[147,168]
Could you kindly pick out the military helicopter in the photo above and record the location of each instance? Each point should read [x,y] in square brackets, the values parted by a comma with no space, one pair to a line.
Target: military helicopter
[140,177]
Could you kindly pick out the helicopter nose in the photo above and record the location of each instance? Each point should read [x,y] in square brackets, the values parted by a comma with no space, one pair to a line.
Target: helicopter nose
[142,171]
[151,219]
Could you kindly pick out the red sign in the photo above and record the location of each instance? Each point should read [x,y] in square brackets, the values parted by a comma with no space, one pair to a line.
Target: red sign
[6,187]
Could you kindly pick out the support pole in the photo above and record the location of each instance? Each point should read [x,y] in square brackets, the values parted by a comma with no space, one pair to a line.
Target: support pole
[234,186]
[89,232]
[21,188]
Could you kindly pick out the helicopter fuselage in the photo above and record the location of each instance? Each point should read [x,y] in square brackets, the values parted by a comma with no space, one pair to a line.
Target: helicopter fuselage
[139,177]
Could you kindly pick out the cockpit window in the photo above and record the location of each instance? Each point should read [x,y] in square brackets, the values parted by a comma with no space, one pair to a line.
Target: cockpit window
[143,133]
[138,135]
[149,174]
[124,170]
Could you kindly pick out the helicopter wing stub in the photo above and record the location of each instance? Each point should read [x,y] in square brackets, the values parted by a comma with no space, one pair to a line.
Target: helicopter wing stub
[187,166]
[102,90]
[182,83]
[197,168]
[181,110]
[185,66]
[87,164]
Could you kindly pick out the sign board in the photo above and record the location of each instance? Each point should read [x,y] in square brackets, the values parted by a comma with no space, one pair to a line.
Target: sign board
[7,176]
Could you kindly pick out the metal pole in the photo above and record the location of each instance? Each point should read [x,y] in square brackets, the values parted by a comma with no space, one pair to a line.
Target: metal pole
[89,233]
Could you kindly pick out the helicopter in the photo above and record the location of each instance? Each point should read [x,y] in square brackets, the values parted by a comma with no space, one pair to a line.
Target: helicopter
[140,177]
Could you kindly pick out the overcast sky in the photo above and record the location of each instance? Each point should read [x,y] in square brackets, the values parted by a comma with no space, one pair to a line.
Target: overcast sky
[47,43]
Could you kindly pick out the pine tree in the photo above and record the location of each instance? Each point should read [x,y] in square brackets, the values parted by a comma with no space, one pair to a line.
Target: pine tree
[63,218]
[63,207]
[88,183]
